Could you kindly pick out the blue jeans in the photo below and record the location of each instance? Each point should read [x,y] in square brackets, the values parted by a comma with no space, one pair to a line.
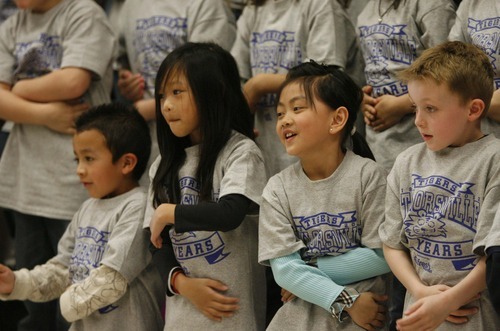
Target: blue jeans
[35,241]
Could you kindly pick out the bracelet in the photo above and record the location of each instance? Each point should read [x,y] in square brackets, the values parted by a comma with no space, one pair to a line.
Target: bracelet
[172,281]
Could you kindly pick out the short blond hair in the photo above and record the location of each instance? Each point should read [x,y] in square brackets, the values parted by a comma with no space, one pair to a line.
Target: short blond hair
[464,68]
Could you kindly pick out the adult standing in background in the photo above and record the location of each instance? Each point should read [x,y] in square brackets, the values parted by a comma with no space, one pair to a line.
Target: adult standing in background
[56,62]
[274,36]
[390,41]
[478,23]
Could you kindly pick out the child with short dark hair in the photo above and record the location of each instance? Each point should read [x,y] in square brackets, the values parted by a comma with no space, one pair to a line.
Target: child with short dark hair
[102,272]
[442,194]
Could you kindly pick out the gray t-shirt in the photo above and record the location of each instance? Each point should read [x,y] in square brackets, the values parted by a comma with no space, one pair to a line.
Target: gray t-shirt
[477,23]
[392,45]
[37,171]
[151,29]
[229,257]
[439,207]
[109,232]
[318,218]
[279,35]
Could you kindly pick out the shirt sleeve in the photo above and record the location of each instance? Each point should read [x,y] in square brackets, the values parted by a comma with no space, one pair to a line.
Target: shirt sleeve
[435,22]
[354,266]
[305,281]
[89,41]
[459,31]
[211,20]
[103,287]
[241,47]
[44,283]
[391,230]
[164,260]
[224,215]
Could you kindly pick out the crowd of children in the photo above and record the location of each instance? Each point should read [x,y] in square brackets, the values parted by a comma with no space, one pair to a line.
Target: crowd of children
[252,177]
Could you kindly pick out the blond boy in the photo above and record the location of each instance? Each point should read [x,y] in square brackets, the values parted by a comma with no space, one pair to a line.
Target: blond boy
[442,194]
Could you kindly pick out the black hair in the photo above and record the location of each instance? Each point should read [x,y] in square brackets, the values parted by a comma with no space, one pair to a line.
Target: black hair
[335,88]
[124,129]
[212,75]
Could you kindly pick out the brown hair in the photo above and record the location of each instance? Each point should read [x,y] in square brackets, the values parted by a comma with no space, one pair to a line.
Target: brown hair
[463,67]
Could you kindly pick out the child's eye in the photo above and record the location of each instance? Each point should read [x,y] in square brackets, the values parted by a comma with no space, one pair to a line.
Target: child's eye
[77,160]
[279,114]
[89,158]
[414,108]
[176,92]
[161,96]
[297,108]
[430,109]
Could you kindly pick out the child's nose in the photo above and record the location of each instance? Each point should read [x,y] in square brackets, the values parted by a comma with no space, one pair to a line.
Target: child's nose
[419,121]
[167,105]
[80,170]
[286,120]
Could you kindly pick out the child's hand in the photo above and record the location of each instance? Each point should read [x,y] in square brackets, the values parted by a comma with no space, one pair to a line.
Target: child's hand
[287,296]
[60,116]
[389,112]
[367,312]
[431,311]
[368,105]
[456,317]
[205,294]
[162,216]
[131,86]
[7,280]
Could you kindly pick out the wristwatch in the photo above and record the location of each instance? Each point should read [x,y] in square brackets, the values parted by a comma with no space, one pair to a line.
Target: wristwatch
[345,300]
[338,312]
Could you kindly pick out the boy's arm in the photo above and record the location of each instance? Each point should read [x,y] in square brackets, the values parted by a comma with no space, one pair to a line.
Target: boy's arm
[59,85]
[355,265]
[57,116]
[429,312]
[401,266]
[103,287]
[43,283]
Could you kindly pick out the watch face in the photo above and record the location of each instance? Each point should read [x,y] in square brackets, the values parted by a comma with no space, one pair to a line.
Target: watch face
[344,316]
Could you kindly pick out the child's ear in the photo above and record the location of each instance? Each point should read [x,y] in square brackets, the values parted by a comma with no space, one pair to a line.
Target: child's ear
[476,109]
[338,119]
[128,162]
